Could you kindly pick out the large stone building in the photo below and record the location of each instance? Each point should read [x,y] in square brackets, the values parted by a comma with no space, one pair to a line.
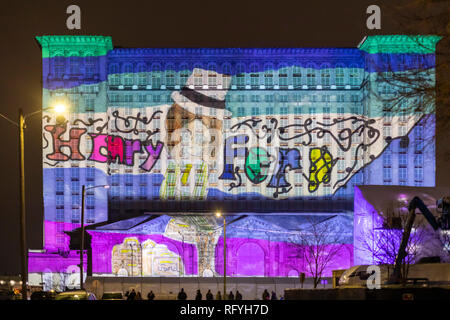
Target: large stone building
[275,139]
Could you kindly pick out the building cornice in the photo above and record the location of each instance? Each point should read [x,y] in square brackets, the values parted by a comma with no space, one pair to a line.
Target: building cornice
[233,52]
[419,44]
[56,45]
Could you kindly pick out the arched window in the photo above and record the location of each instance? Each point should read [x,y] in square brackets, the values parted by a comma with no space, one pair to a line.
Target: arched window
[240,75]
[282,75]
[74,62]
[59,67]
[90,67]
[198,75]
[254,75]
[212,75]
[170,75]
[114,76]
[325,74]
[226,75]
[354,75]
[184,73]
[297,76]
[250,260]
[311,75]
[339,75]
[128,74]
[156,75]
[268,74]
[142,75]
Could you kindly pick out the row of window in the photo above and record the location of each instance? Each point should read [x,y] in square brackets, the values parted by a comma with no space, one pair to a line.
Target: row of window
[403,175]
[170,78]
[159,98]
[87,67]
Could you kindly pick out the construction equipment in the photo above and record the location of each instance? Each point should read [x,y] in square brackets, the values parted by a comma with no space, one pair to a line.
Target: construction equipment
[443,223]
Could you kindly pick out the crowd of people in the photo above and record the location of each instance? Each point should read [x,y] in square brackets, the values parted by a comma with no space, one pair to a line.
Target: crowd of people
[133,295]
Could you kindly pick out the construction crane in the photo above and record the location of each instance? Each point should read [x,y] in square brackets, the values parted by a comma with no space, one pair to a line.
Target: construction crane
[443,223]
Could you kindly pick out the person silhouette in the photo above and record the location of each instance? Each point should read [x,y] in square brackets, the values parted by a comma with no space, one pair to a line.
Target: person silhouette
[238,295]
[182,295]
[231,296]
[209,295]
[132,295]
[199,295]
[218,295]
[151,295]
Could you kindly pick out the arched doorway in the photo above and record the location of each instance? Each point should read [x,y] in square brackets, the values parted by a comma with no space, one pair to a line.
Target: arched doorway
[250,260]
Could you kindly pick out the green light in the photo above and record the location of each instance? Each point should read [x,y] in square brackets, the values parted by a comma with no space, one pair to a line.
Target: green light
[72,45]
[420,44]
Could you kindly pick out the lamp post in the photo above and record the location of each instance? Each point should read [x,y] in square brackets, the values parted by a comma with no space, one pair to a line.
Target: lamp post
[83,195]
[23,240]
[218,215]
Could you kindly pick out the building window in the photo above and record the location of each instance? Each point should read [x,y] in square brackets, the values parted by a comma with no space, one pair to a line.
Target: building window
[75,173]
[325,75]
[59,67]
[354,76]
[339,76]
[387,159]
[184,74]
[226,75]
[402,175]
[387,174]
[240,75]
[283,77]
[212,75]
[128,70]
[297,76]
[268,76]
[89,104]
[74,65]
[254,75]
[142,77]
[90,67]
[59,174]
[170,76]
[418,174]
[311,76]
[114,74]
[418,160]
[156,76]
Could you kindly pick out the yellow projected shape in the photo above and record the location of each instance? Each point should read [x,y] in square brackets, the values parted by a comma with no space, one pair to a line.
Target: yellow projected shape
[320,167]
[185,175]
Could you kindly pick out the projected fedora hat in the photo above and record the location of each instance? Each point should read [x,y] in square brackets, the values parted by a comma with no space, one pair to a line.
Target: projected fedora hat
[198,101]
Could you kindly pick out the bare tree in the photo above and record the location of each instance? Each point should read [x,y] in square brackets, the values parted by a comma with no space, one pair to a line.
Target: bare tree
[422,90]
[383,243]
[319,243]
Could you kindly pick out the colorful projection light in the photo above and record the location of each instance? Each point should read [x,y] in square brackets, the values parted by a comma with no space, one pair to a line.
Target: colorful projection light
[253,132]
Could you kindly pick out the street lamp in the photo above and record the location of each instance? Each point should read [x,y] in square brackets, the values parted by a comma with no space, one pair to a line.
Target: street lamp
[23,240]
[83,195]
[218,215]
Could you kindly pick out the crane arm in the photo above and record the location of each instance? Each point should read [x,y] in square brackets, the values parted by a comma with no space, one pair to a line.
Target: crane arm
[416,203]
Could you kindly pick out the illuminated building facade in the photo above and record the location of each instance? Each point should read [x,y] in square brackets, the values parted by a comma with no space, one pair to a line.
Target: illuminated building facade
[273,138]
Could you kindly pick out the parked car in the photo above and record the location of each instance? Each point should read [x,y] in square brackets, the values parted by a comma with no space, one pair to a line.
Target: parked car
[76,295]
[43,295]
[112,296]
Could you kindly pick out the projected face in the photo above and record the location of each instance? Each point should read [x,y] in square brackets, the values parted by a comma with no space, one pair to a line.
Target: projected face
[194,138]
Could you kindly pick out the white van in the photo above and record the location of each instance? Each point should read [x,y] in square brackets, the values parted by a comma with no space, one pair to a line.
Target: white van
[434,274]
[356,276]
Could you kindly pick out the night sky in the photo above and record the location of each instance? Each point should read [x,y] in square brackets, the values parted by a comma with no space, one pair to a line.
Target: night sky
[133,23]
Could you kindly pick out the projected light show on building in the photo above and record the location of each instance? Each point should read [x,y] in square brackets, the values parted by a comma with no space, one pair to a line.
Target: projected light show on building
[275,139]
